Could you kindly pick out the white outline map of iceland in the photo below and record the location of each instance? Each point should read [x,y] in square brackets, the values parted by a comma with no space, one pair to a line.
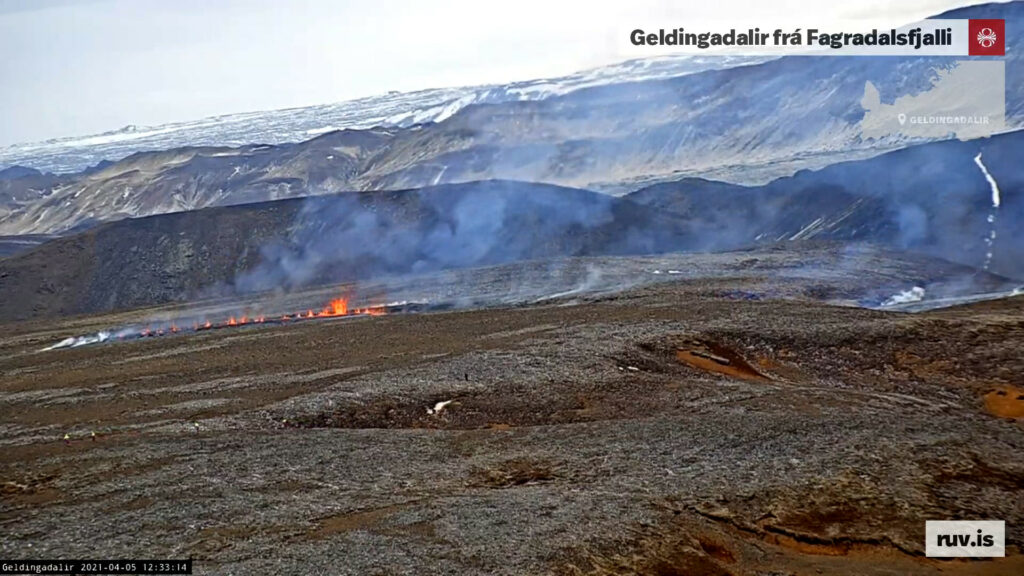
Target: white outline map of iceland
[967,100]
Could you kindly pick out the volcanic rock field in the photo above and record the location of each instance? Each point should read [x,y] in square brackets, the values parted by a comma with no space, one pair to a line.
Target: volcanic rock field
[740,416]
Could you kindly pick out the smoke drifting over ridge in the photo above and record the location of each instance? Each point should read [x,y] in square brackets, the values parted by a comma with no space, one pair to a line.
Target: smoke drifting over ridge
[930,199]
[364,235]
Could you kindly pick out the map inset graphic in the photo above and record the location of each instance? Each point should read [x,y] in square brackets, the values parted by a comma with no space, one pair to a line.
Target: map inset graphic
[965,101]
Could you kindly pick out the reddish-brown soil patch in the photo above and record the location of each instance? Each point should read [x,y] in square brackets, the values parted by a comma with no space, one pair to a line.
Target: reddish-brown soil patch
[1005,402]
[815,548]
[983,474]
[718,359]
[780,368]
[715,548]
[29,492]
[683,563]
[352,521]
[652,557]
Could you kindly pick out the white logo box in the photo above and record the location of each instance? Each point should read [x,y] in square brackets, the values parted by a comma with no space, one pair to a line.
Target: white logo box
[965,538]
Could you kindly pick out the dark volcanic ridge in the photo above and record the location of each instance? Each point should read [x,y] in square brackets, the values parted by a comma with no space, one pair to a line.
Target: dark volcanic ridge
[292,244]
[932,199]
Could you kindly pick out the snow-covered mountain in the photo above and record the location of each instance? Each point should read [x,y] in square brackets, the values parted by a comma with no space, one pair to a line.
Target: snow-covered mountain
[394,109]
[741,121]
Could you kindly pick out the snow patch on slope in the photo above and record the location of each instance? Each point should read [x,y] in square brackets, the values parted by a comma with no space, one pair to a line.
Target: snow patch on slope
[394,109]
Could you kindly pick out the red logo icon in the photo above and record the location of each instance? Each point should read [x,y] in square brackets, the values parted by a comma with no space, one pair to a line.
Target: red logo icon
[986,37]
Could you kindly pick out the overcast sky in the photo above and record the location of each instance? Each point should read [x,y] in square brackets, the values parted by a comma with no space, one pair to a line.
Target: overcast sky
[74,67]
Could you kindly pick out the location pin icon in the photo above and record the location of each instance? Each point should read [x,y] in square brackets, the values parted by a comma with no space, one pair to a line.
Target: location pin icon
[902,118]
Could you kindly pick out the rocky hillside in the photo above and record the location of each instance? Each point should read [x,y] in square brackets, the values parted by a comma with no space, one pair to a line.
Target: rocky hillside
[191,178]
[21,187]
[298,242]
[932,198]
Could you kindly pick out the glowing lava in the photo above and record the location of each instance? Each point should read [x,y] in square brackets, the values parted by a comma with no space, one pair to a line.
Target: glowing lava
[335,308]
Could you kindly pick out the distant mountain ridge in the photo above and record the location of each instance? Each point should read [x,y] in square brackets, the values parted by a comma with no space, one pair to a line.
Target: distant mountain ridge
[931,199]
[749,123]
[391,110]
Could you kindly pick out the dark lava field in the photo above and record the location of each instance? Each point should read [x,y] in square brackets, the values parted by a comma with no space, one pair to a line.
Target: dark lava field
[742,416]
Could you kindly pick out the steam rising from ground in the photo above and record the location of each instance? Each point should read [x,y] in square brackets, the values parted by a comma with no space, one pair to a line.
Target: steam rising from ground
[991,238]
[376,235]
[991,181]
[76,341]
[915,294]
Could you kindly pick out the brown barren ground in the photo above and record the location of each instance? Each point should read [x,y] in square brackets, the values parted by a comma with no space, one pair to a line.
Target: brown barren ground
[665,430]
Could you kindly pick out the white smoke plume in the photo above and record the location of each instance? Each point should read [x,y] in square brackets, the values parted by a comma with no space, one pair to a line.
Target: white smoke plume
[76,341]
[915,294]
[990,240]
